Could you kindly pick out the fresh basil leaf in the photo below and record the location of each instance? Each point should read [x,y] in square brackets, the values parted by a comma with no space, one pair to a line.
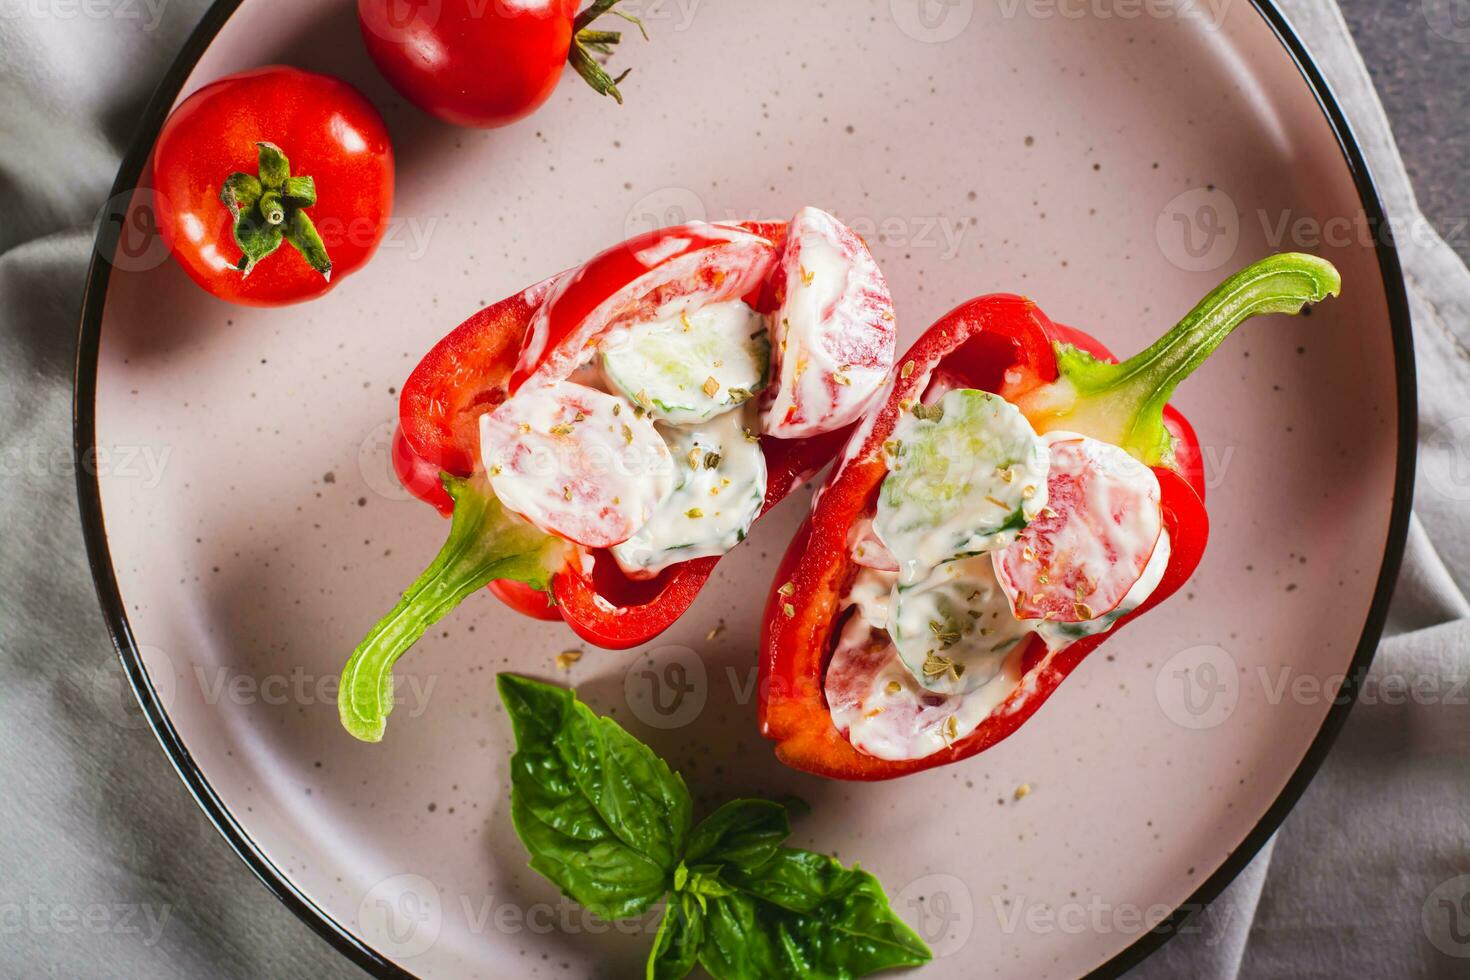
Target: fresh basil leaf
[744,833]
[607,821]
[804,915]
[608,878]
[603,817]
[706,883]
[676,946]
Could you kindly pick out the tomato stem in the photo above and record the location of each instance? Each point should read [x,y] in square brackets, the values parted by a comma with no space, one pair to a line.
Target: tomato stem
[586,43]
[269,208]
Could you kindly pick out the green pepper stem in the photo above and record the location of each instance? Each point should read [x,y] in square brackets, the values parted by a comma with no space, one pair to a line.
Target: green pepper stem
[486,543]
[1124,403]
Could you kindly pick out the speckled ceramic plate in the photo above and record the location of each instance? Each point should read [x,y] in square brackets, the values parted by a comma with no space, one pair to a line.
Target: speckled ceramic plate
[1112,160]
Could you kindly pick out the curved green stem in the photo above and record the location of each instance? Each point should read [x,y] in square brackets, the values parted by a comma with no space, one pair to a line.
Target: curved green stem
[1124,403]
[486,543]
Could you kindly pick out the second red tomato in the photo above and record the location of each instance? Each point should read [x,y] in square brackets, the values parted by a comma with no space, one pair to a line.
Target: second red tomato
[484,63]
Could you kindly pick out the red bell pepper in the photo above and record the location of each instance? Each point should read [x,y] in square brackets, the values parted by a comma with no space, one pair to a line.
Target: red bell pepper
[543,332]
[1061,379]
[476,367]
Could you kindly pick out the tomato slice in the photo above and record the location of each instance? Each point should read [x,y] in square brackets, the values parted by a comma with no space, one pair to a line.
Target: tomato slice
[655,276]
[1079,558]
[834,331]
[575,463]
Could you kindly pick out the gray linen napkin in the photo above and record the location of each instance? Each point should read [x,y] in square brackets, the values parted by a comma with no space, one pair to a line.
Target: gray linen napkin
[108,869]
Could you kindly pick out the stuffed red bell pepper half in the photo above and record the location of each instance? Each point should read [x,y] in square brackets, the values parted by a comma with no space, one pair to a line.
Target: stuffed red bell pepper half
[1015,496]
[601,439]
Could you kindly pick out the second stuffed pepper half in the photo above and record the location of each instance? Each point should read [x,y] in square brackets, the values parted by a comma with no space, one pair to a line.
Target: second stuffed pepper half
[1013,497]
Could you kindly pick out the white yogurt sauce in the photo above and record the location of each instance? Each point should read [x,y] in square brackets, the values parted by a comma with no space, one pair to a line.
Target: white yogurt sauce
[720,488]
[954,629]
[884,712]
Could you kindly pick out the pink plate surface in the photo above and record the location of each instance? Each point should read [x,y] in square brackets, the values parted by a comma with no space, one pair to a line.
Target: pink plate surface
[1112,167]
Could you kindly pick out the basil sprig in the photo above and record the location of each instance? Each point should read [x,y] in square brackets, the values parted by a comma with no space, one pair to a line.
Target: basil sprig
[610,824]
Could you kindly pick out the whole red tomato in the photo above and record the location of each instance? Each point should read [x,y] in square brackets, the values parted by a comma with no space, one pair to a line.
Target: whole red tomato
[485,63]
[273,184]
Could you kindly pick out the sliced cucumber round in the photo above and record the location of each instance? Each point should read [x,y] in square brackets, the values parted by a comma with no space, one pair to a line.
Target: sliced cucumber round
[720,487]
[693,367]
[965,476]
[955,629]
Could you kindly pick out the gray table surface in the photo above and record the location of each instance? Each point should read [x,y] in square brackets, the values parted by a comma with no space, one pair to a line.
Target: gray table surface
[166,897]
[1418,56]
